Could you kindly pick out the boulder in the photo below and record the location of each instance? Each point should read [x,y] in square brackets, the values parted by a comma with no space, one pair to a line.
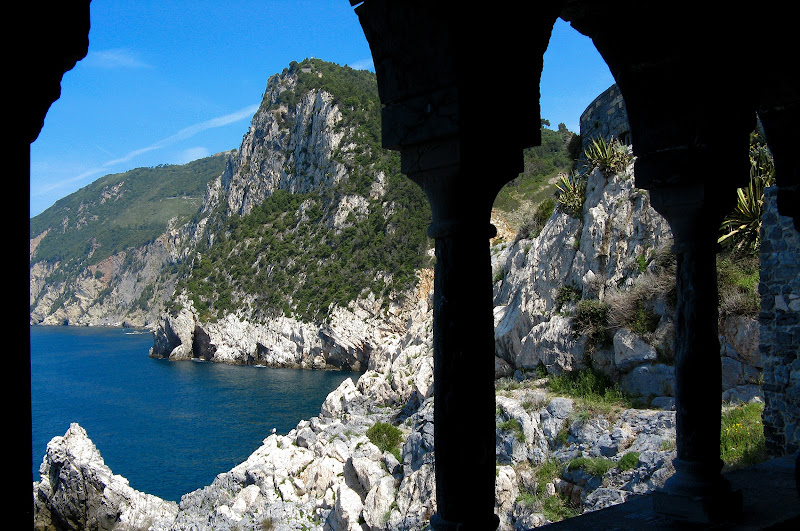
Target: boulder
[630,350]
[648,381]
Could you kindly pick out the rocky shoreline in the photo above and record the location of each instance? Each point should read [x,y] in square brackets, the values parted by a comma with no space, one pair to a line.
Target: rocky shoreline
[327,474]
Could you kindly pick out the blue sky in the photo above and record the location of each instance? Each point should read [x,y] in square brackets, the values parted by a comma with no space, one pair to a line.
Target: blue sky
[171,81]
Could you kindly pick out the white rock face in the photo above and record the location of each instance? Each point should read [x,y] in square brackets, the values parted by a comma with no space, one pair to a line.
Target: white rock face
[590,255]
[78,491]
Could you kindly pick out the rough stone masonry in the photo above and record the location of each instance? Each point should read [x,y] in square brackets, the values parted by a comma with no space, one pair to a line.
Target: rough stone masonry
[779,287]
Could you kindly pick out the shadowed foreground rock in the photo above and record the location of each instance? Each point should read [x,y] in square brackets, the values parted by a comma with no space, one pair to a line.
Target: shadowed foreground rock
[78,491]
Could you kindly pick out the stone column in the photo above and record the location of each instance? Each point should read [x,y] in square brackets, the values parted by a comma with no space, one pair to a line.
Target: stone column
[697,491]
[461,196]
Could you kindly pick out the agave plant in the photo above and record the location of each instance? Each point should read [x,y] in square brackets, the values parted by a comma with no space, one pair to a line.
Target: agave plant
[741,229]
[571,193]
[610,156]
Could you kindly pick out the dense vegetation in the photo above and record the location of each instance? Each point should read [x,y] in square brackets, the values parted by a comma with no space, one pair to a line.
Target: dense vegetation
[287,257]
[121,211]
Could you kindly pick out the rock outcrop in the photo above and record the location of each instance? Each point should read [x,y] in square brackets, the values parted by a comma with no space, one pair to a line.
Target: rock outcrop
[595,291]
[78,491]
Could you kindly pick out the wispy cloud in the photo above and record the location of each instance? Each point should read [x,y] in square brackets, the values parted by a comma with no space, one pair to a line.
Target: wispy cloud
[364,64]
[246,113]
[115,58]
[194,153]
[188,132]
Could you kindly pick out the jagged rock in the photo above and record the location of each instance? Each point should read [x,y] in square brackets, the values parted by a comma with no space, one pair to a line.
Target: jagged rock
[506,492]
[78,491]
[743,394]
[337,400]
[554,416]
[173,336]
[378,504]
[594,254]
[347,511]
[663,402]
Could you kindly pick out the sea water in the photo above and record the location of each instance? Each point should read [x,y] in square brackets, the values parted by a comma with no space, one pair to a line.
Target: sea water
[168,427]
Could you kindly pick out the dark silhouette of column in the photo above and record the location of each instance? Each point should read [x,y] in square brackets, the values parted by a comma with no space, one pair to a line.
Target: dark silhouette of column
[697,491]
[461,138]
[461,197]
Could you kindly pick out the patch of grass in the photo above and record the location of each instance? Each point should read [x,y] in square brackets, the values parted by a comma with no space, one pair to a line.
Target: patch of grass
[628,461]
[548,471]
[596,466]
[742,435]
[563,435]
[506,384]
[587,385]
[737,282]
[667,445]
[514,426]
[527,498]
[556,508]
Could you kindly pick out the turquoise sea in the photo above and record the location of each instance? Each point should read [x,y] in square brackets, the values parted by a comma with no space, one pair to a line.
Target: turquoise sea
[168,427]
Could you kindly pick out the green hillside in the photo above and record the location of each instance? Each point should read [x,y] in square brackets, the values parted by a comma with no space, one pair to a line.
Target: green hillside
[122,210]
[542,164]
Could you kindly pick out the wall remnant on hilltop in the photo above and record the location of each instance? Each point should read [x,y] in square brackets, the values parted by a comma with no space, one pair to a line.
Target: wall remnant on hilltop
[606,117]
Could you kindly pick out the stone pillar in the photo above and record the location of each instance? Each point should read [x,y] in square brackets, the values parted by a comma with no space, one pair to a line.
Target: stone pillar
[461,198]
[697,491]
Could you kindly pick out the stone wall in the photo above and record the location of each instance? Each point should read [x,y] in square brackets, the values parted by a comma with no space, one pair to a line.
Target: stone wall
[606,117]
[780,328]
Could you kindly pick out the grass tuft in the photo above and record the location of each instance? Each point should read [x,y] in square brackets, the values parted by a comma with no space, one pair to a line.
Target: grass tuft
[742,436]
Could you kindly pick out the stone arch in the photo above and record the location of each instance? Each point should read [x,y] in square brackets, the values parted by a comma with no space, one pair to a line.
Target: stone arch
[683,70]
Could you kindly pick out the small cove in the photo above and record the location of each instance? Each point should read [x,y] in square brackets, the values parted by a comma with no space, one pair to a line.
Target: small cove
[168,427]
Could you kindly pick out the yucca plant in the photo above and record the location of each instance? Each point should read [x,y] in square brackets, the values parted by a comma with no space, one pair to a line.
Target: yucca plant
[741,229]
[571,193]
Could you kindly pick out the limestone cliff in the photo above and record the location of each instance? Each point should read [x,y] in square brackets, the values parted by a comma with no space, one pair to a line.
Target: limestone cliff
[308,247]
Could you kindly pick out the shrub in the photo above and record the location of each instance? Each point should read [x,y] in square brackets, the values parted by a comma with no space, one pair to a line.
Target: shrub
[591,319]
[567,293]
[386,437]
[533,226]
[644,321]
[741,229]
